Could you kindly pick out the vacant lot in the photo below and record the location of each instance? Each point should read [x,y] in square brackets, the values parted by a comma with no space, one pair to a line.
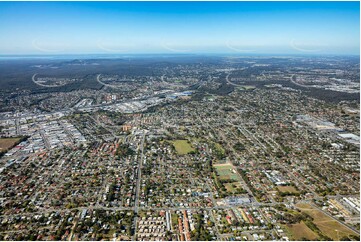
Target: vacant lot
[326,224]
[226,171]
[290,189]
[182,147]
[300,231]
[6,143]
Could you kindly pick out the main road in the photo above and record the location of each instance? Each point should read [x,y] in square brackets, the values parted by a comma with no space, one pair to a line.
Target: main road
[137,191]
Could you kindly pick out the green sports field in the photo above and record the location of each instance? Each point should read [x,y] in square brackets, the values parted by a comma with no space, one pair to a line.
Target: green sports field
[182,147]
[225,171]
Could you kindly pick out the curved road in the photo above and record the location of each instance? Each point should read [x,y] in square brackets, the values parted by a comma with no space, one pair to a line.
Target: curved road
[42,85]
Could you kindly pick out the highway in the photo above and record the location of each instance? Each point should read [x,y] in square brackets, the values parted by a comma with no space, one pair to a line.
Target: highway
[42,85]
[231,83]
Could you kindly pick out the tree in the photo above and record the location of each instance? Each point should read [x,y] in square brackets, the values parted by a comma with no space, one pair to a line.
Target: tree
[345,238]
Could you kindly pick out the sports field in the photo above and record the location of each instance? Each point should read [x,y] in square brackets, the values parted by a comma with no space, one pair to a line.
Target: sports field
[182,147]
[326,224]
[226,171]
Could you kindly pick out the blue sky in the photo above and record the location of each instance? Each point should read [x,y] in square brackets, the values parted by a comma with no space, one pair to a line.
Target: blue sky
[179,27]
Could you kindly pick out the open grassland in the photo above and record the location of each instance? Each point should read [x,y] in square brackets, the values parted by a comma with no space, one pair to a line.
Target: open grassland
[326,224]
[182,147]
[246,87]
[300,231]
[225,172]
[7,143]
[290,189]
[231,187]
[218,151]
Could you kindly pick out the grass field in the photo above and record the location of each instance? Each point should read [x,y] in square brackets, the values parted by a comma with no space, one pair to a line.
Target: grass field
[6,143]
[326,224]
[218,150]
[182,147]
[300,230]
[290,189]
[225,171]
[230,188]
[248,87]
[245,87]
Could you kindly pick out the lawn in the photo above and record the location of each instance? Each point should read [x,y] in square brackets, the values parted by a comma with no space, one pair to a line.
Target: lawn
[182,147]
[6,143]
[225,171]
[329,226]
[300,230]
